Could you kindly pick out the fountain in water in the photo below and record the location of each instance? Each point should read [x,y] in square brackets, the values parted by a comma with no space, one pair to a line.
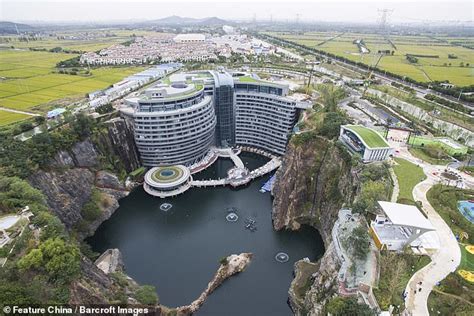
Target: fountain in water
[232,217]
[282,257]
[165,207]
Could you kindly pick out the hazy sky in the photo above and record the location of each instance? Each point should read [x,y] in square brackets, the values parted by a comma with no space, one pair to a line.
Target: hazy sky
[309,10]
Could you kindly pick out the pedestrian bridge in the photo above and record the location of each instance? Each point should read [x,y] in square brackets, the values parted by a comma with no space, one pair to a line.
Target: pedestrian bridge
[237,176]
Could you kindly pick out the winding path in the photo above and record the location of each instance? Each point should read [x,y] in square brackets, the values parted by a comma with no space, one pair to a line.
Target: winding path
[443,261]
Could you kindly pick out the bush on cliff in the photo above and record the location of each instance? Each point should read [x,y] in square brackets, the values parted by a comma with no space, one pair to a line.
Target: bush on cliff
[22,158]
[91,210]
[332,124]
[16,193]
[340,306]
[146,294]
[60,260]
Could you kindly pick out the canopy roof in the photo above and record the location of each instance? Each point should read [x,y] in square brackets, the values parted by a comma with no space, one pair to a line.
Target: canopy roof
[405,215]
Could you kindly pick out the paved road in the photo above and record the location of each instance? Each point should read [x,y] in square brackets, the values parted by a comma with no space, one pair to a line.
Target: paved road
[446,259]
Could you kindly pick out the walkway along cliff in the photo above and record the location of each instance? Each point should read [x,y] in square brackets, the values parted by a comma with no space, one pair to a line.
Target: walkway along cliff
[315,180]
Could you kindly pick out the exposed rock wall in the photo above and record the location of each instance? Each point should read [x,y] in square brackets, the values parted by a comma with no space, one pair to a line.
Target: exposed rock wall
[313,183]
[70,177]
[119,141]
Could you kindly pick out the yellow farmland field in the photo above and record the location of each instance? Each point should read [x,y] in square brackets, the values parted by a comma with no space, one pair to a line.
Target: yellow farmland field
[29,79]
[10,117]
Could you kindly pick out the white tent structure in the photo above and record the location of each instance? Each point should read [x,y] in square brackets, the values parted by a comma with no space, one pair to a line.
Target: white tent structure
[400,225]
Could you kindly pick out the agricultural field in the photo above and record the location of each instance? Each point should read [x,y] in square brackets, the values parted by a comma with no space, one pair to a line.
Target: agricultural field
[29,80]
[432,53]
[62,40]
[7,117]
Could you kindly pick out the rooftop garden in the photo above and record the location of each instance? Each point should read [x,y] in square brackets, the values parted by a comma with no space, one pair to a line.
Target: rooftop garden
[371,138]
[167,174]
[247,79]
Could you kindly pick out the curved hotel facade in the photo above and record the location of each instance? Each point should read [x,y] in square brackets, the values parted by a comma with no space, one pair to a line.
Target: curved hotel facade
[174,124]
[177,122]
[264,117]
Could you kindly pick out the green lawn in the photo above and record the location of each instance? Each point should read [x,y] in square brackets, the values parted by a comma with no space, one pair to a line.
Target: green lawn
[422,141]
[7,117]
[445,201]
[396,271]
[408,175]
[418,152]
[370,137]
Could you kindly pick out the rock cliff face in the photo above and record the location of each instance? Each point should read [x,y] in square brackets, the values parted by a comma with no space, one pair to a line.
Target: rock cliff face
[71,176]
[313,183]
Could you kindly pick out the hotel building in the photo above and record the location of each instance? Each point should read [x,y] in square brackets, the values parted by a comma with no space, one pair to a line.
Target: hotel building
[178,120]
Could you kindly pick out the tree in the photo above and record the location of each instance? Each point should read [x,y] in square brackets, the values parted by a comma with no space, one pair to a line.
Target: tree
[39,119]
[104,108]
[33,260]
[359,243]
[340,306]
[372,191]
[146,294]
[16,193]
[15,294]
[59,259]
[330,96]
[332,124]
[51,226]
[82,125]
[25,126]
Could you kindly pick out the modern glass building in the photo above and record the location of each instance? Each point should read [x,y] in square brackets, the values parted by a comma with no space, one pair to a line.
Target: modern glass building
[224,108]
[178,120]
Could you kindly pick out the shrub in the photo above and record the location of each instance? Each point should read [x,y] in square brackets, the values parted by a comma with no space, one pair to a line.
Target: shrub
[90,211]
[60,260]
[340,306]
[146,294]
[223,261]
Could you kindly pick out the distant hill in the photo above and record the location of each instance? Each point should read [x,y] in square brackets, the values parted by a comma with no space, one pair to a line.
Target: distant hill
[178,20]
[11,27]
